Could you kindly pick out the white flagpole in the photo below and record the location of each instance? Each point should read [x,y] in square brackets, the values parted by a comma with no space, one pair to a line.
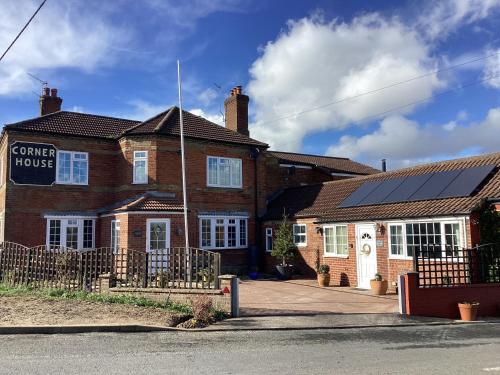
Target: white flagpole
[184,191]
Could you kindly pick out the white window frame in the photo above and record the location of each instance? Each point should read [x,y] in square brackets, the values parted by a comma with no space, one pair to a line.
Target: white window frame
[140,158]
[148,230]
[218,184]
[442,222]
[300,244]
[213,224]
[335,253]
[115,245]
[269,235]
[64,225]
[72,160]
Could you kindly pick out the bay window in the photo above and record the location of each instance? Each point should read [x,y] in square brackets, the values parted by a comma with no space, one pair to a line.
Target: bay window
[335,240]
[71,233]
[223,232]
[224,172]
[72,168]
[299,234]
[140,175]
[430,239]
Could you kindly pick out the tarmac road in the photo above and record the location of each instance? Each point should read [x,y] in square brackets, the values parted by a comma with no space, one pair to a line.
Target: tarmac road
[449,349]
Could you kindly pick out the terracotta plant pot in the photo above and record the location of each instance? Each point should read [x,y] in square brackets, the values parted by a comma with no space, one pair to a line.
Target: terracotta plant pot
[379,288]
[468,311]
[324,279]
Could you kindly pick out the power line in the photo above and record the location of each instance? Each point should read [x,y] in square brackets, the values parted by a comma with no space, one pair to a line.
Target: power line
[22,30]
[382,88]
[423,100]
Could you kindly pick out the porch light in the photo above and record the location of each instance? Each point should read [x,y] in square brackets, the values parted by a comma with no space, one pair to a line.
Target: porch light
[319,230]
[380,229]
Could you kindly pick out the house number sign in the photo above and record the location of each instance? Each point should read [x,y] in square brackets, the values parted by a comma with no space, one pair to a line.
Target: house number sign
[33,163]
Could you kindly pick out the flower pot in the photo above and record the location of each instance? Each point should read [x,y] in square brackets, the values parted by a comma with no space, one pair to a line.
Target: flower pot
[284,272]
[379,288]
[253,275]
[324,279]
[468,311]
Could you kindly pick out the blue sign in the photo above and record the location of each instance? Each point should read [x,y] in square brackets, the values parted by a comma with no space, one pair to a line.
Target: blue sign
[33,163]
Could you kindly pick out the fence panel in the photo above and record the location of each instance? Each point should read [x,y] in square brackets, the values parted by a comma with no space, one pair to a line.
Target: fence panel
[454,267]
[58,267]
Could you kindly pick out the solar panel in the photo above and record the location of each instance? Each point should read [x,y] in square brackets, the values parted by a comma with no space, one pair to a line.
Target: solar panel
[435,185]
[409,186]
[467,181]
[360,193]
[382,191]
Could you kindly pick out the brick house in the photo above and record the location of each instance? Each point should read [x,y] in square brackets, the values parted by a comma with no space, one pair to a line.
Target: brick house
[375,223]
[84,181]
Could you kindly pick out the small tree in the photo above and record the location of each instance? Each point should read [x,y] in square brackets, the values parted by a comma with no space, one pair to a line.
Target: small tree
[283,245]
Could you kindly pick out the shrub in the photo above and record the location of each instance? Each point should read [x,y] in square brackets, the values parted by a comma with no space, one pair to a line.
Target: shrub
[324,269]
[378,277]
[202,308]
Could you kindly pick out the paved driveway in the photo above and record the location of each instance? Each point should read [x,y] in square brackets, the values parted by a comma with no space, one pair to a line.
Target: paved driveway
[296,297]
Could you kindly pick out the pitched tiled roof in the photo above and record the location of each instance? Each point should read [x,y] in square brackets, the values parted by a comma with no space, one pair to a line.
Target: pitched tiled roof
[75,123]
[322,200]
[334,164]
[168,123]
[149,201]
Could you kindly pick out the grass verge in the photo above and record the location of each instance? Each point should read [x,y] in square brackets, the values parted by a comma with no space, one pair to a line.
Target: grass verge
[49,293]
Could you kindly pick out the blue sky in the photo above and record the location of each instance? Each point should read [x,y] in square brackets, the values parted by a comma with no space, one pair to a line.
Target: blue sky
[119,58]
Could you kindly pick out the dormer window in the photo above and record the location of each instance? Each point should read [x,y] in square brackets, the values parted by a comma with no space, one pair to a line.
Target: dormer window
[224,172]
[140,167]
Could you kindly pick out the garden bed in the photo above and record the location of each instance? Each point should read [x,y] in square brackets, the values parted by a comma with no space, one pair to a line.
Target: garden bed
[27,307]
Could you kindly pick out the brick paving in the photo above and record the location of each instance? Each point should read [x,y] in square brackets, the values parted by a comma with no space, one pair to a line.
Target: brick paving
[301,297]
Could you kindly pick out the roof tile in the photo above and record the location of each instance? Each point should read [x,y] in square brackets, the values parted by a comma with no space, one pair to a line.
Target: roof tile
[335,164]
[322,200]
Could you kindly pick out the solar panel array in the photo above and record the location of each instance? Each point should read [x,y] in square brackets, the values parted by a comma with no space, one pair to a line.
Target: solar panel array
[428,186]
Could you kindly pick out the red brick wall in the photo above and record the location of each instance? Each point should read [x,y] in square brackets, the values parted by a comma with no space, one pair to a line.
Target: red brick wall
[442,302]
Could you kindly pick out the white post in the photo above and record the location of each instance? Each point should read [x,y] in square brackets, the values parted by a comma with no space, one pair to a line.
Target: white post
[184,190]
[183,160]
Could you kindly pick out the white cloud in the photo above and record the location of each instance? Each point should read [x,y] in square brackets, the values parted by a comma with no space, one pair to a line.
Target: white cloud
[443,17]
[207,96]
[492,70]
[141,110]
[63,35]
[313,63]
[215,118]
[404,142]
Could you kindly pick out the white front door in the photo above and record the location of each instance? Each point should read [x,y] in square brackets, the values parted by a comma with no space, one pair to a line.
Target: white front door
[366,254]
[158,244]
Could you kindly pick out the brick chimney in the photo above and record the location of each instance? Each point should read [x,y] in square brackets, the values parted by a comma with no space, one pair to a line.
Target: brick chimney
[49,101]
[236,108]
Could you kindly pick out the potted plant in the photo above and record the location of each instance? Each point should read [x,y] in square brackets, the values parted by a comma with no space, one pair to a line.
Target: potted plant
[324,275]
[379,285]
[254,273]
[468,310]
[284,248]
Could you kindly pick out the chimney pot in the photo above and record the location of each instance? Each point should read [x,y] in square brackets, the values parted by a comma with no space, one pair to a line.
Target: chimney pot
[49,103]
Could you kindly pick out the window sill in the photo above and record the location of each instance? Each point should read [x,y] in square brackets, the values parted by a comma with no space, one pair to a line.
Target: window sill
[342,256]
[225,187]
[72,183]
[301,244]
[224,248]
[139,183]
[400,258]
